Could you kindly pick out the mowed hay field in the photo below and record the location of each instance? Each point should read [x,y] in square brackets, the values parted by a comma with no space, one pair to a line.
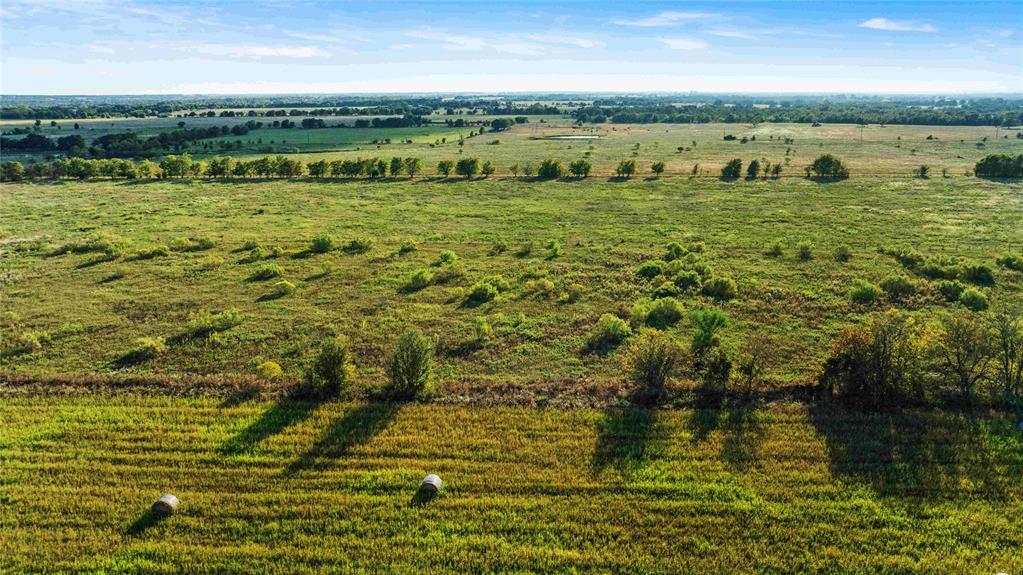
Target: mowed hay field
[303,488]
[86,311]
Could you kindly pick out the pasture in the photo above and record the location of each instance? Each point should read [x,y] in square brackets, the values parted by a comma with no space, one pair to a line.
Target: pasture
[304,488]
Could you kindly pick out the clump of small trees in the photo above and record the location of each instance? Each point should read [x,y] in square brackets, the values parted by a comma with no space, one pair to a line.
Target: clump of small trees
[827,167]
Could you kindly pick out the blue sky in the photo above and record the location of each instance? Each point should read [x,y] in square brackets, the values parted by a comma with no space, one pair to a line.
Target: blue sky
[144,47]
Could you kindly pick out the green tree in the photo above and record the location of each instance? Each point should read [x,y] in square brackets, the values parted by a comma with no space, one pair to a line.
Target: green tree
[412,166]
[12,171]
[732,170]
[396,167]
[411,367]
[488,169]
[319,168]
[753,171]
[444,167]
[657,168]
[828,167]
[626,168]
[332,371]
[468,167]
[550,169]
[580,168]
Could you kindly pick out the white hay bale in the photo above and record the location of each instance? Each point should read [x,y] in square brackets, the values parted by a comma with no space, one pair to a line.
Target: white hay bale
[431,483]
[167,504]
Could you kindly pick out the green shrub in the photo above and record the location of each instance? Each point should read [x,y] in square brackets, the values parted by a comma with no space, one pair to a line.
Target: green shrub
[482,292]
[651,269]
[359,245]
[774,251]
[652,359]
[732,170]
[898,288]
[249,245]
[281,289]
[407,247]
[935,270]
[550,169]
[420,279]
[193,244]
[411,367]
[322,244]
[696,247]
[482,331]
[720,288]
[843,254]
[864,293]
[1011,261]
[554,250]
[979,274]
[674,251]
[666,289]
[446,257]
[203,323]
[664,312]
[540,287]
[950,289]
[148,347]
[269,370]
[573,293]
[973,299]
[332,372]
[715,371]
[608,333]
[804,251]
[266,272]
[255,254]
[827,167]
[449,272]
[688,280]
[708,324]
[152,252]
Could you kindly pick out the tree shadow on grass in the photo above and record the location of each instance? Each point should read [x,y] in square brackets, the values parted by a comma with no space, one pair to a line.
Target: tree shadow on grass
[742,436]
[624,439]
[921,455]
[274,420]
[357,426]
[148,519]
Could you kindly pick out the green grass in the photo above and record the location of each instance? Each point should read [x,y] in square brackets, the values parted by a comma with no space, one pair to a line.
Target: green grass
[300,488]
[606,230]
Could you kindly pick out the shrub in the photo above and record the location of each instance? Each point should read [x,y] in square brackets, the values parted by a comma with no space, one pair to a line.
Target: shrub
[332,372]
[652,359]
[1000,166]
[708,324]
[720,288]
[281,289]
[554,250]
[687,279]
[322,244]
[973,299]
[1011,261]
[651,269]
[715,370]
[150,253]
[580,168]
[269,370]
[898,288]
[194,244]
[420,279]
[446,257]
[255,254]
[267,271]
[449,272]
[979,274]
[411,367]
[550,169]
[950,289]
[664,312]
[774,251]
[965,349]
[666,289]
[732,170]
[359,245]
[804,251]
[249,245]
[540,287]
[148,347]
[864,293]
[468,167]
[674,251]
[482,292]
[608,333]
[828,167]
[573,293]
[625,168]
[203,323]
[407,247]
[843,254]
[482,331]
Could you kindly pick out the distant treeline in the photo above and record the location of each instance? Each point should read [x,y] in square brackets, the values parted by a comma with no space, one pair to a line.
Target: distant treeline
[986,112]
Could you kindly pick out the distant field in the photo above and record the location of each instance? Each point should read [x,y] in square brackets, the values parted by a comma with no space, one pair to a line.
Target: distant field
[91,311]
[298,488]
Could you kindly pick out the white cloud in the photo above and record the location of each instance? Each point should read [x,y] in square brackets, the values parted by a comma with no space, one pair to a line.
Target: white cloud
[893,26]
[733,34]
[567,40]
[684,43]
[240,51]
[461,43]
[668,18]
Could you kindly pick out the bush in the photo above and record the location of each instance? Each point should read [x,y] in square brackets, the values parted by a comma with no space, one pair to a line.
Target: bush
[194,244]
[608,333]
[411,367]
[666,289]
[332,372]
[732,170]
[255,254]
[652,359]
[446,257]
[281,289]
[1011,261]
[774,251]
[720,288]
[550,170]
[542,287]
[708,324]
[898,288]
[660,313]
[267,271]
[482,292]
[322,244]
[651,269]
[715,370]
[150,253]
[843,254]
[1000,166]
[420,279]
[828,167]
[864,293]
[950,289]
[674,251]
[554,250]
[203,323]
[973,299]
[148,347]
[688,280]
[269,370]
[804,251]
[625,168]
[359,245]
[482,331]
[573,293]
[979,274]
[407,247]
[580,168]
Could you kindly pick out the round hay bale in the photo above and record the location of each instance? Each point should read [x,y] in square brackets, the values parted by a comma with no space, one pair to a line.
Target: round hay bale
[431,483]
[167,504]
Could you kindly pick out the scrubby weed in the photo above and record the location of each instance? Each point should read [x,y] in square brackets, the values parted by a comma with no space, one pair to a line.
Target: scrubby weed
[332,371]
[609,332]
[410,370]
[203,323]
[652,359]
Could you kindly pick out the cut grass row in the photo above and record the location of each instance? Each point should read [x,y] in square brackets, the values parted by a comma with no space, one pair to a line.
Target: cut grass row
[307,488]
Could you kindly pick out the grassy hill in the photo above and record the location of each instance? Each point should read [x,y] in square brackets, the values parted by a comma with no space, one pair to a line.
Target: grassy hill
[301,488]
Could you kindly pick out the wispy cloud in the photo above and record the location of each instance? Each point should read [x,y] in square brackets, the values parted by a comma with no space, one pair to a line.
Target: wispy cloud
[741,34]
[690,44]
[894,26]
[566,40]
[463,43]
[244,51]
[668,18]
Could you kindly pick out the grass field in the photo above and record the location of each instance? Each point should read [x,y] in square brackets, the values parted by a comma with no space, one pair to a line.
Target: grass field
[300,488]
